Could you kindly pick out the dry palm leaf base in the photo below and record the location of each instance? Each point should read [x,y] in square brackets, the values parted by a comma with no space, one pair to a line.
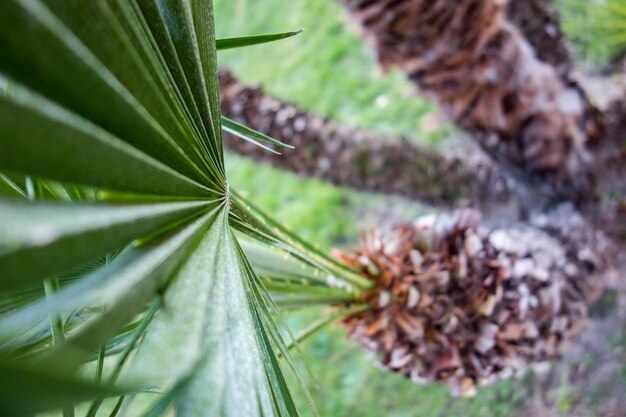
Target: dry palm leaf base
[478,66]
[462,306]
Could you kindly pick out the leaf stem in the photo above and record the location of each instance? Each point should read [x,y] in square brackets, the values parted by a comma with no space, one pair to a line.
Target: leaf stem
[57,327]
[148,316]
[320,324]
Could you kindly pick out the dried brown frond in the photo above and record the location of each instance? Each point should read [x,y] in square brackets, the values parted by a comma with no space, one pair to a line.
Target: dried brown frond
[463,306]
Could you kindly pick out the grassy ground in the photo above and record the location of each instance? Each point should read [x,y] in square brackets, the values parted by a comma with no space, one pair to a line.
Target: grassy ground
[326,69]
[346,382]
[596,27]
[321,213]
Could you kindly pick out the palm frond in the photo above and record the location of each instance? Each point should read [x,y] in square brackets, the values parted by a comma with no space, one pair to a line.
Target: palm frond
[243,41]
[26,390]
[250,135]
[45,238]
[9,188]
[122,97]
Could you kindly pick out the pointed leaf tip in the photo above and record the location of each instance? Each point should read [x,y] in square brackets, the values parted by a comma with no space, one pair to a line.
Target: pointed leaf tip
[243,41]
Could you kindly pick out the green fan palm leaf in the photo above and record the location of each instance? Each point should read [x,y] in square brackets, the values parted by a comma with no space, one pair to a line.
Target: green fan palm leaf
[24,390]
[41,138]
[46,238]
[243,41]
[122,97]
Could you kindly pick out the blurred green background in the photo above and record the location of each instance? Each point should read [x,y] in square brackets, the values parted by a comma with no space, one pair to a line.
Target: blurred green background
[597,29]
[326,69]
[329,71]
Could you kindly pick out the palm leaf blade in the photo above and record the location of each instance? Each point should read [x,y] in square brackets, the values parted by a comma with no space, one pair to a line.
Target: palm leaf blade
[250,135]
[243,41]
[40,138]
[131,286]
[46,238]
[24,391]
[215,336]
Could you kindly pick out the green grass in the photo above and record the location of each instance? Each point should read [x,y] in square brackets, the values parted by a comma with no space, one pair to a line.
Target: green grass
[323,214]
[349,384]
[326,69]
[346,382]
[597,29]
[329,71]
[306,206]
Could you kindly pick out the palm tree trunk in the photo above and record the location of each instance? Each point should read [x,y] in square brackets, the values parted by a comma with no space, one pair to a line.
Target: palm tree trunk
[539,22]
[451,301]
[484,73]
[356,158]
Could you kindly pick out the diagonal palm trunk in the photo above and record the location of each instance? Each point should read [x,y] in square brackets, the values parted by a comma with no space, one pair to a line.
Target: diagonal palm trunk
[357,158]
[486,76]
[365,160]
[539,22]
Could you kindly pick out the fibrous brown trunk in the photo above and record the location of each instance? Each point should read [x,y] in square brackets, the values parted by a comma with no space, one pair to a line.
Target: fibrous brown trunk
[354,157]
[368,161]
[466,55]
[461,305]
[608,210]
[539,22]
